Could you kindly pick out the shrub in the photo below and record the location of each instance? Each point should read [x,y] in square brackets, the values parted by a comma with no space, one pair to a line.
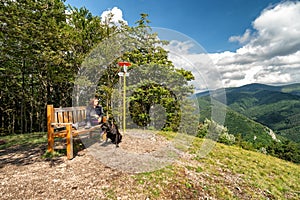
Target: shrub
[226,138]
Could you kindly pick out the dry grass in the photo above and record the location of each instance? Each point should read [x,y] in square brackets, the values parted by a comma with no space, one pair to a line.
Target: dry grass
[227,172]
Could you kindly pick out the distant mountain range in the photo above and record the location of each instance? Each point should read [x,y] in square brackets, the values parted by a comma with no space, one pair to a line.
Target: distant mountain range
[253,108]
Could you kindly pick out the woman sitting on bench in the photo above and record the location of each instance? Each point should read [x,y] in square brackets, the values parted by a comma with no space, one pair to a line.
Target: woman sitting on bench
[94,113]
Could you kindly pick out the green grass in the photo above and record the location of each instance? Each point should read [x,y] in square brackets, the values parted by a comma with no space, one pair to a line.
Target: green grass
[24,139]
[259,172]
[227,172]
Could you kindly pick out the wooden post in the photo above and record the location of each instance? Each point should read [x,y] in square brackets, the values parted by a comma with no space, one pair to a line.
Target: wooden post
[50,129]
[124,104]
[69,141]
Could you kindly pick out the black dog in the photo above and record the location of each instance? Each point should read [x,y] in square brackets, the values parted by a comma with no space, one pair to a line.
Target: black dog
[112,132]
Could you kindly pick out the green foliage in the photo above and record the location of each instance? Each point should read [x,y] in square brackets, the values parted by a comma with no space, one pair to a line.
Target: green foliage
[149,94]
[202,131]
[142,49]
[154,80]
[33,41]
[221,132]
[276,107]
[262,104]
[48,154]
[42,52]
[146,46]
[226,138]
[249,130]
[247,145]
[286,150]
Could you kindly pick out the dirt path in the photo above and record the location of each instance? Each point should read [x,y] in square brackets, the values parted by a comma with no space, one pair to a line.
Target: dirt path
[141,151]
[25,174]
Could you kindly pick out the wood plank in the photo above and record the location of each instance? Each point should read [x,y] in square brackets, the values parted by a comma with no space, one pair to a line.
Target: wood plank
[50,129]
[60,134]
[75,116]
[71,116]
[83,130]
[60,117]
[69,141]
[65,115]
[61,109]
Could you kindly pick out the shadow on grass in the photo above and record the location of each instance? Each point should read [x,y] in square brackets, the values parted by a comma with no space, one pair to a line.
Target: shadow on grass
[25,149]
[21,155]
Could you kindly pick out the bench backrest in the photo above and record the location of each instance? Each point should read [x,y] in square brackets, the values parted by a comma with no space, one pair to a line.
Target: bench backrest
[69,114]
[66,114]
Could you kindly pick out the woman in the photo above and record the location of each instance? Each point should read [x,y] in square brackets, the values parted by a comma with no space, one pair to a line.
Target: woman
[94,113]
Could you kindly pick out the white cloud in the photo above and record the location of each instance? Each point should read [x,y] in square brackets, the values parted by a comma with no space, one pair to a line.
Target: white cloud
[241,39]
[200,64]
[114,16]
[179,46]
[271,54]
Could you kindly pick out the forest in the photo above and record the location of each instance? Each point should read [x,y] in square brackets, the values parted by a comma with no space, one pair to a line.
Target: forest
[43,47]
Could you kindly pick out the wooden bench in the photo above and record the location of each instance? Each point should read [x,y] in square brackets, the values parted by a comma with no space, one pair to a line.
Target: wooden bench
[64,118]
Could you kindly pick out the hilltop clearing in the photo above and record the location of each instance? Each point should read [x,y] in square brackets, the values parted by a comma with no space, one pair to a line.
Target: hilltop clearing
[227,172]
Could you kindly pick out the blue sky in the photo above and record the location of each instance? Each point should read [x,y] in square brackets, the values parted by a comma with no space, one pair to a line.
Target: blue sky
[209,22]
[249,41]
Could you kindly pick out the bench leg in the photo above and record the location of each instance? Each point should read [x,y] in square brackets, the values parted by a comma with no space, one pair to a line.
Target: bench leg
[69,141]
[50,129]
[50,140]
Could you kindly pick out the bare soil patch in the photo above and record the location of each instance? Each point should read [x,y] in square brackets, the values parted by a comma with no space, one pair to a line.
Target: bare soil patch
[25,174]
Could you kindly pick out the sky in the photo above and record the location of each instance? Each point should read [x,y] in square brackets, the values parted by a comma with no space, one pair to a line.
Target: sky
[248,41]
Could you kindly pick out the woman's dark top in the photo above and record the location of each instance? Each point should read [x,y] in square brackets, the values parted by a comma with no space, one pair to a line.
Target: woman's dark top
[91,112]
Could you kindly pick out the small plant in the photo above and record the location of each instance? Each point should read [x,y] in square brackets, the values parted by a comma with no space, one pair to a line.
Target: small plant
[226,138]
[216,131]
[49,154]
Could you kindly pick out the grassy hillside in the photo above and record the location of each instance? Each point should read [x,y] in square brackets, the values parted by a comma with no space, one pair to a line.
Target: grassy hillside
[277,107]
[227,172]
[237,123]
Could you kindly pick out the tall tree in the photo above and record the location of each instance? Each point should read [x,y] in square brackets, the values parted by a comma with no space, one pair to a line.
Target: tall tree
[143,49]
[30,40]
